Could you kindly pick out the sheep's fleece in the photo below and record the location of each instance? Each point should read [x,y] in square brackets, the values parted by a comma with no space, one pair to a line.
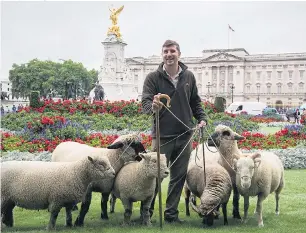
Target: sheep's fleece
[48,185]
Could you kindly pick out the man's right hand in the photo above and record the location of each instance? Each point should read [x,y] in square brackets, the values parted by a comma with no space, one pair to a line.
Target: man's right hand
[156,105]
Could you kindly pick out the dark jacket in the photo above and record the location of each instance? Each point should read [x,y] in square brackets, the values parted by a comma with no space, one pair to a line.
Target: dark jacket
[185,101]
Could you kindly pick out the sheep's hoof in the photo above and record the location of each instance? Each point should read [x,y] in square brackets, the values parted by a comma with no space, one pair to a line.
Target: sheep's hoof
[244,221]
[104,216]
[260,224]
[77,223]
[236,215]
[147,223]
[49,228]
[125,224]
[277,213]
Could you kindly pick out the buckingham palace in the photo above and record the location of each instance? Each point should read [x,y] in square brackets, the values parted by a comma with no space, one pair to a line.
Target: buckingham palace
[275,79]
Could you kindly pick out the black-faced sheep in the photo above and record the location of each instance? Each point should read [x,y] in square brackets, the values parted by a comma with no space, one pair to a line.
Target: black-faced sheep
[136,181]
[49,185]
[259,175]
[124,149]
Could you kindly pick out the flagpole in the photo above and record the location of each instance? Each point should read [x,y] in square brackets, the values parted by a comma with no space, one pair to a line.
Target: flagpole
[228,35]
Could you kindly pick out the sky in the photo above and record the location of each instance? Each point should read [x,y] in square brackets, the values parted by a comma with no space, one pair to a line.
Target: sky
[74,30]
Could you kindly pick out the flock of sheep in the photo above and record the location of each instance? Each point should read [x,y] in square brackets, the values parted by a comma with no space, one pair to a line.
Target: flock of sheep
[125,170]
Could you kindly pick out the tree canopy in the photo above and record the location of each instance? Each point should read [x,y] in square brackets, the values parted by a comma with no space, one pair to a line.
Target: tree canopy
[48,77]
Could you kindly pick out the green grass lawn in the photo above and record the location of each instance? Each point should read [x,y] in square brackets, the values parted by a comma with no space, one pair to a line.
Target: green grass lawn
[270,130]
[292,216]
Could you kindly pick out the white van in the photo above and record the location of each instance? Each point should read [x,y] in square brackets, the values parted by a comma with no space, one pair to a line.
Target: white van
[252,108]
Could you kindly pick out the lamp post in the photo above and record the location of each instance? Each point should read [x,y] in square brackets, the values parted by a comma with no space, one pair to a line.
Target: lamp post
[208,89]
[232,87]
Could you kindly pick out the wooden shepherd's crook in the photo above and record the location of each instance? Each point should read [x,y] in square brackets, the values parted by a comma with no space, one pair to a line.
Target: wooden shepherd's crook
[158,159]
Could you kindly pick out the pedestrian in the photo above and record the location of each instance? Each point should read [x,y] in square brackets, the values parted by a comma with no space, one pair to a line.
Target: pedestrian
[2,110]
[174,79]
[14,108]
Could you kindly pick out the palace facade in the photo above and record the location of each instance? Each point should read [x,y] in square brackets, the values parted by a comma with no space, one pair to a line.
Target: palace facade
[277,79]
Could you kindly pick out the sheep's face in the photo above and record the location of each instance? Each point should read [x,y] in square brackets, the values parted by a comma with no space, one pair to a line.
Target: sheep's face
[150,161]
[222,135]
[131,146]
[208,212]
[100,167]
[245,168]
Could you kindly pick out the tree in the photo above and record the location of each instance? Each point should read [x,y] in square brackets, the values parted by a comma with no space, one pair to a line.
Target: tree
[47,76]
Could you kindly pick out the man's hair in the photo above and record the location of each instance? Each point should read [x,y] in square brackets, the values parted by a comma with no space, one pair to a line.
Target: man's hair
[171,43]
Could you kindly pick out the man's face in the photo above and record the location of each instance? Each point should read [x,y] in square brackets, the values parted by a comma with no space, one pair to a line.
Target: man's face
[170,55]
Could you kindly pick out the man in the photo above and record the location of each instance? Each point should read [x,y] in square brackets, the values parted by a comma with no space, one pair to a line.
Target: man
[174,79]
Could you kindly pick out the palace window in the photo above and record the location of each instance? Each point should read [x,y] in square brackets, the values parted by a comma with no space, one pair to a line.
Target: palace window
[258,88]
[301,87]
[279,75]
[290,72]
[269,89]
[248,76]
[279,88]
[136,78]
[269,74]
[290,87]
[302,74]
[248,89]
[258,75]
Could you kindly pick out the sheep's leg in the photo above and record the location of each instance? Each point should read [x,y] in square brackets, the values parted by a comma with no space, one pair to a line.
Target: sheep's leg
[69,215]
[128,206]
[54,210]
[277,192]
[224,211]
[236,203]
[260,199]
[246,208]
[112,203]
[146,220]
[104,201]
[7,213]
[84,208]
[187,196]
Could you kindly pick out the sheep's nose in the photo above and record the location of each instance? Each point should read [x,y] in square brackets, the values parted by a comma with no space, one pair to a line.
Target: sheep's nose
[166,172]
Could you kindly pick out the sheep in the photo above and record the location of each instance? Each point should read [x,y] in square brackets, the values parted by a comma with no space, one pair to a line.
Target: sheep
[136,181]
[259,175]
[49,185]
[124,149]
[217,189]
[226,141]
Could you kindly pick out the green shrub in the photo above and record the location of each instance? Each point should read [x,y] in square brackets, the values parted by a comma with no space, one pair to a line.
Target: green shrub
[35,100]
[219,104]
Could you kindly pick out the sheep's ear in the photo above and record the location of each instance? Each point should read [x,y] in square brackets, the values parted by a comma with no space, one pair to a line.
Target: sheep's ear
[255,155]
[138,147]
[90,159]
[115,145]
[144,156]
[257,162]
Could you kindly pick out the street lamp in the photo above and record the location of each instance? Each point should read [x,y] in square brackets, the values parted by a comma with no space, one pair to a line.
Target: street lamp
[208,89]
[232,87]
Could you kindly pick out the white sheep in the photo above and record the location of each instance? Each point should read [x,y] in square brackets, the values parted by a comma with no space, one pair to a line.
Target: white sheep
[49,185]
[259,175]
[136,181]
[226,141]
[217,189]
[124,149]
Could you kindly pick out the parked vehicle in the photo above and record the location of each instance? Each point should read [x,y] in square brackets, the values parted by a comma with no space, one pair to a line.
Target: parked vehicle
[251,108]
[269,111]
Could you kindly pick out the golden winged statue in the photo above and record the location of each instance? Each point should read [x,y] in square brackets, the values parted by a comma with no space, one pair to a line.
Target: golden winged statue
[114,29]
[114,14]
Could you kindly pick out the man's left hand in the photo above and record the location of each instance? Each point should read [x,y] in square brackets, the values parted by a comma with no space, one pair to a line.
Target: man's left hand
[202,124]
